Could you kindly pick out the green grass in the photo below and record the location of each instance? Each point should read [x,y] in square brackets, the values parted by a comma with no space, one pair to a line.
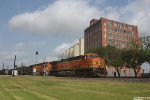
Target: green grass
[52,88]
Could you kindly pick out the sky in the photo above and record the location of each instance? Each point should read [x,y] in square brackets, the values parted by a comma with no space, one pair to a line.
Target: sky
[51,26]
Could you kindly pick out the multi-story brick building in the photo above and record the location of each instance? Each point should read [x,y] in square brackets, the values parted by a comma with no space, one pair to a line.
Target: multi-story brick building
[102,32]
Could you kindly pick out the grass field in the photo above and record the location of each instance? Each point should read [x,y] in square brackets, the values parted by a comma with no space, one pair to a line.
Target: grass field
[52,88]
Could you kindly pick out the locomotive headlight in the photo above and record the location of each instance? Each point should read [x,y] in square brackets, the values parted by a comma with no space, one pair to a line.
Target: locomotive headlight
[97,63]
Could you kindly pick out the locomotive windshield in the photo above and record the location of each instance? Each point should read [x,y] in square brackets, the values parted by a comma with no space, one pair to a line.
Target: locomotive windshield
[91,56]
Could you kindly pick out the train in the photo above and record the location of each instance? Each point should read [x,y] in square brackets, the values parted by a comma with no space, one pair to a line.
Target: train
[82,66]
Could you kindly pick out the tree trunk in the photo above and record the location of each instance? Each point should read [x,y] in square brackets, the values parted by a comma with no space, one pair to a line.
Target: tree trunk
[117,69]
[135,72]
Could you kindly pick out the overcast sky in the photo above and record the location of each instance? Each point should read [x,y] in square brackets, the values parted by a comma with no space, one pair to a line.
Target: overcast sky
[51,26]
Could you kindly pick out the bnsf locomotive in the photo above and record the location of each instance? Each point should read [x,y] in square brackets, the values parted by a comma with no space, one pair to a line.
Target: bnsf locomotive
[84,65]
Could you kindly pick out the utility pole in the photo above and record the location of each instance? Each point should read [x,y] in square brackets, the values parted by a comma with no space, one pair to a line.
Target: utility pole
[3,66]
[3,70]
[36,56]
[7,69]
[14,72]
[34,69]
[21,67]
[15,63]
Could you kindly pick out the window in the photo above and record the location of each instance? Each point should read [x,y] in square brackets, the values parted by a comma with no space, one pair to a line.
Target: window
[124,38]
[109,35]
[124,31]
[120,25]
[115,36]
[124,26]
[127,44]
[104,35]
[115,30]
[129,27]
[115,24]
[110,41]
[105,29]
[119,31]
[115,42]
[130,33]
[110,30]
[122,45]
[109,24]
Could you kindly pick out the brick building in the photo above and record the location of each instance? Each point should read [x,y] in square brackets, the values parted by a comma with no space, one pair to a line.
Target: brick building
[102,32]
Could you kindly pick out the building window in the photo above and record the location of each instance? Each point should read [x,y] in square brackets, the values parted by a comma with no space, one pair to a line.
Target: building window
[119,31]
[115,24]
[109,35]
[104,35]
[109,29]
[129,27]
[130,33]
[124,31]
[109,23]
[119,25]
[110,42]
[105,29]
[115,36]
[115,42]
[115,30]
[122,45]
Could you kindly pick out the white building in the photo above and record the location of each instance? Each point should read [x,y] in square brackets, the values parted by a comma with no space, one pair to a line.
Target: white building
[75,50]
[124,72]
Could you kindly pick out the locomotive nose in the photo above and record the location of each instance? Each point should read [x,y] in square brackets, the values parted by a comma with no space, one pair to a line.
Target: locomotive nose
[97,62]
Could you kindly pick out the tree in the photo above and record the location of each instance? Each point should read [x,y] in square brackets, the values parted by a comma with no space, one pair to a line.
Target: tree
[147,58]
[146,47]
[135,56]
[146,42]
[112,57]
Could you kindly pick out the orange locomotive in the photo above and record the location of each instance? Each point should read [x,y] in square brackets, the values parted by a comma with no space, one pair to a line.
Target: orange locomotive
[42,68]
[84,65]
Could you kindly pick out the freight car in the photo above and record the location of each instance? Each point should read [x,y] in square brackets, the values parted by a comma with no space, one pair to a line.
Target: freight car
[84,65]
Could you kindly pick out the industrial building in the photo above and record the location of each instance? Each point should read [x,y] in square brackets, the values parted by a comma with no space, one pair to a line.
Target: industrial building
[103,32]
[75,50]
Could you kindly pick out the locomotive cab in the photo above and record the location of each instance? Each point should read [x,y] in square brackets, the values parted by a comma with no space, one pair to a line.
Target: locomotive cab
[97,64]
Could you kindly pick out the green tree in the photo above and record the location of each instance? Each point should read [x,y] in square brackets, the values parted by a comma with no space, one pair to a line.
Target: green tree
[146,47]
[135,56]
[112,57]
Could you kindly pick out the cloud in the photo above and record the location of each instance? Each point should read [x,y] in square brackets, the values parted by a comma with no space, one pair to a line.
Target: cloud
[135,13]
[37,43]
[71,17]
[18,46]
[59,50]
[138,13]
[8,57]
[112,13]
[60,17]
